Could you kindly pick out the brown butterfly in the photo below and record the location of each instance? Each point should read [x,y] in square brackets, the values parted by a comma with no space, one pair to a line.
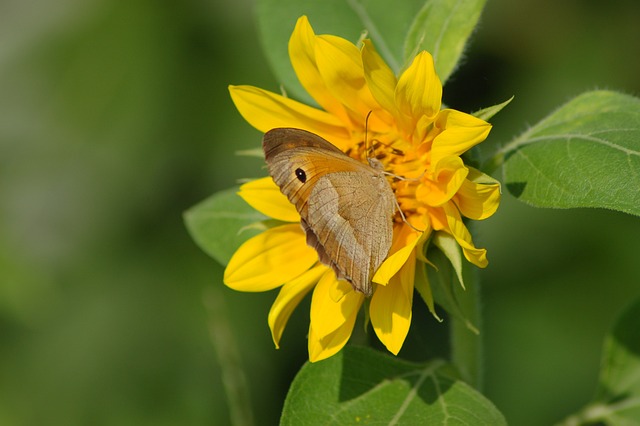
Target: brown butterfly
[346,207]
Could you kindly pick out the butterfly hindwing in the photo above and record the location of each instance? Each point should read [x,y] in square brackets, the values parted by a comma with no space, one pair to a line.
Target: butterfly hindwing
[356,235]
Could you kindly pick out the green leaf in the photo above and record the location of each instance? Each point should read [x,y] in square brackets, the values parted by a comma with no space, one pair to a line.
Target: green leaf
[221,223]
[451,249]
[618,396]
[620,373]
[461,303]
[488,112]
[442,28]
[423,287]
[447,289]
[363,386]
[344,18]
[585,154]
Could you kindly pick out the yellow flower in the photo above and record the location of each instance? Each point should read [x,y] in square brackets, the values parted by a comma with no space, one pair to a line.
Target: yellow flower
[413,138]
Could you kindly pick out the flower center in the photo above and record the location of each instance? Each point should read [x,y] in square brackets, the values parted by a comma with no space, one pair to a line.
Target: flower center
[405,167]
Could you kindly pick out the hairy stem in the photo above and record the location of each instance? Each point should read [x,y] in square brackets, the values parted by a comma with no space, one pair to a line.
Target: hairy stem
[233,377]
[466,344]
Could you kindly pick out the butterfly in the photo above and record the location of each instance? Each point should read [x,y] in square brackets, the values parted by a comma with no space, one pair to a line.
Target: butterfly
[346,207]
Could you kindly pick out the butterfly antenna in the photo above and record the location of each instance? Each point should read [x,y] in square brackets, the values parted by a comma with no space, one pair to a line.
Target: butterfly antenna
[417,179]
[366,132]
[404,218]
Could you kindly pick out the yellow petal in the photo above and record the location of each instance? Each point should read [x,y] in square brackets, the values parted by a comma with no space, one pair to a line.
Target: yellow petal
[462,235]
[288,299]
[422,128]
[477,200]
[265,196]
[265,110]
[459,133]
[438,218]
[419,91]
[449,175]
[303,59]
[327,314]
[390,308]
[402,247]
[326,346]
[270,259]
[340,65]
[380,78]
[341,289]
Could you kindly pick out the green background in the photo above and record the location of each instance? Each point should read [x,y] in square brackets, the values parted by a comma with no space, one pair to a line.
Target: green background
[115,118]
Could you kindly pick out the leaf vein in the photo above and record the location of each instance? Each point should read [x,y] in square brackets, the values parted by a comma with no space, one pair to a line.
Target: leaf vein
[587,136]
[427,372]
[540,172]
[443,30]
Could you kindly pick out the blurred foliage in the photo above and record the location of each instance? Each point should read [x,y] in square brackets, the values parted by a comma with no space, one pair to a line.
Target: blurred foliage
[115,118]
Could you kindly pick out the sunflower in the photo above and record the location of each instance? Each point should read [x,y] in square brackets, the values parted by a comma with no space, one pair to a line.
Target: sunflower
[360,98]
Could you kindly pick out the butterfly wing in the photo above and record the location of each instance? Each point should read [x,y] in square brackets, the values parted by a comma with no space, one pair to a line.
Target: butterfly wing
[346,206]
[296,159]
[350,221]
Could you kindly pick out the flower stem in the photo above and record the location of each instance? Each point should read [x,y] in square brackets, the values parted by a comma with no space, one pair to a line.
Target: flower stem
[226,348]
[466,344]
